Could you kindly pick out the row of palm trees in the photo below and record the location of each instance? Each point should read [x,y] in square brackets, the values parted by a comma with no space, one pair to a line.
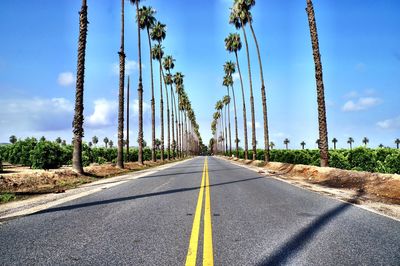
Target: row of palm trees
[185,132]
[241,18]
[350,141]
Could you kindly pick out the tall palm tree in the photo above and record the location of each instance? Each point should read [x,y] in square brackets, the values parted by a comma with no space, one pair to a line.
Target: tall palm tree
[335,141]
[168,64]
[230,69]
[110,144]
[397,142]
[240,23]
[302,145]
[13,139]
[233,44]
[381,146]
[178,80]
[227,100]
[120,153]
[286,142]
[219,106]
[146,22]
[272,145]
[365,141]
[95,140]
[78,116]
[127,121]
[243,11]
[106,142]
[140,86]
[323,128]
[158,34]
[350,141]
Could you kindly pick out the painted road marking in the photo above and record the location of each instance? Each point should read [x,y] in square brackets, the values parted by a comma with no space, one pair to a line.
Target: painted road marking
[208,257]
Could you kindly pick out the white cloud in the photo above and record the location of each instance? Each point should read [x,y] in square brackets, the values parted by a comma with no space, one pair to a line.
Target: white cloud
[135,107]
[66,79]
[236,77]
[393,123]
[362,103]
[105,113]
[130,67]
[351,95]
[258,125]
[36,114]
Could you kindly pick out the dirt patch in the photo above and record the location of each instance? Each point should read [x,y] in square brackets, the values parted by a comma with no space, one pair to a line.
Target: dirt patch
[23,181]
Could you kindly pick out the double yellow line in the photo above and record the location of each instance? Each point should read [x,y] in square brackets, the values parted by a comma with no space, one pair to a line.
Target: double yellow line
[208,258]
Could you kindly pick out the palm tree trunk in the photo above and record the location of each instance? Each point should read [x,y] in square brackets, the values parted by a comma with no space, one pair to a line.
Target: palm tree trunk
[140,93]
[186,135]
[229,122]
[161,114]
[168,117]
[120,155]
[176,123]
[263,97]
[236,125]
[323,129]
[127,121]
[172,121]
[246,147]
[78,116]
[153,106]
[226,132]
[253,117]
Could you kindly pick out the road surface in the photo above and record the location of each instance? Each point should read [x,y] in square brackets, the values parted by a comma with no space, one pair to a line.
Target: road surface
[204,211]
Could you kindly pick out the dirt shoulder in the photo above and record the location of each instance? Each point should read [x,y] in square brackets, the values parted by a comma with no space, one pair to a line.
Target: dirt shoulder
[373,191]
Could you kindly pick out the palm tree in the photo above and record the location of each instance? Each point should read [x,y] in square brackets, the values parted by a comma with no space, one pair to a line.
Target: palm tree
[105,142]
[302,145]
[381,146]
[120,153]
[334,140]
[13,139]
[365,141]
[178,80]
[240,23]
[272,145]
[318,142]
[58,140]
[233,44]
[219,106]
[64,143]
[80,77]
[286,142]
[127,122]
[242,8]
[95,140]
[323,128]
[229,69]
[169,64]
[90,144]
[226,101]
[140,86]
[350,141]
[158,34]
[146,22]
[397,142]
[111,144]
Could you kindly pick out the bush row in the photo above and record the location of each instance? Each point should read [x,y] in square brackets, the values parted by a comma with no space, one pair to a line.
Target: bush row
[45,154]
[383,160]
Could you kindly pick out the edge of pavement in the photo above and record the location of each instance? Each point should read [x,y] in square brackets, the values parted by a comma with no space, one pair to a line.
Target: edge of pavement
[17,209]
[264,172]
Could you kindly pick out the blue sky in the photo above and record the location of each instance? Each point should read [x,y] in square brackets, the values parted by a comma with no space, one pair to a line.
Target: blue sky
[359,43]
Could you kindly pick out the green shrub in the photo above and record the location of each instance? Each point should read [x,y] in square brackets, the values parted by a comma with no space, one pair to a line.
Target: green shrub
[392,163]
[1,163]
[19,152]
[338,160]
[46,155]
[101,160]
[302,157]
[362,158]
[382,153]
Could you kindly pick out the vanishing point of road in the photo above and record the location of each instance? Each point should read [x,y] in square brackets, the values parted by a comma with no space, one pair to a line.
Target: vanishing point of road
[203,211]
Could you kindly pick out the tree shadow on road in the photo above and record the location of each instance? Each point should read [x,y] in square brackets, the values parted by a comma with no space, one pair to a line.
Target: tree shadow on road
[296,243]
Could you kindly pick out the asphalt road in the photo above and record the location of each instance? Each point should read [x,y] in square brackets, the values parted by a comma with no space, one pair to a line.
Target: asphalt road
[244,219]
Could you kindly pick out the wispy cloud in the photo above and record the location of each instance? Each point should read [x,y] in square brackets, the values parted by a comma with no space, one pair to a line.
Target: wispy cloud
[361,104]
[236,77]
[392,123]
[66,79]
[130,67]
[104,114]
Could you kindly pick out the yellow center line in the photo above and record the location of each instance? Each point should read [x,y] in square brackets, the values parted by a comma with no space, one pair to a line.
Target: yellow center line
[194,238]
[208,257]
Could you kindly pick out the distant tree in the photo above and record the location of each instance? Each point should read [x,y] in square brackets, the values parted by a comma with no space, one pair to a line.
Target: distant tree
[95,140]
[64,143]
[272,145]
[350,141]
[90,144]
[286,142]
[397,141]
[43,138]
[318,142]
[158,144]
[381,146]
[58,140]
[106,142]
[302,145]
[13,139]
[365,141]
[110,144]
[334,140]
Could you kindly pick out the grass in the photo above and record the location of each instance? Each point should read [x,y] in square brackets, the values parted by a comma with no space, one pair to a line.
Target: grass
[6,197]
